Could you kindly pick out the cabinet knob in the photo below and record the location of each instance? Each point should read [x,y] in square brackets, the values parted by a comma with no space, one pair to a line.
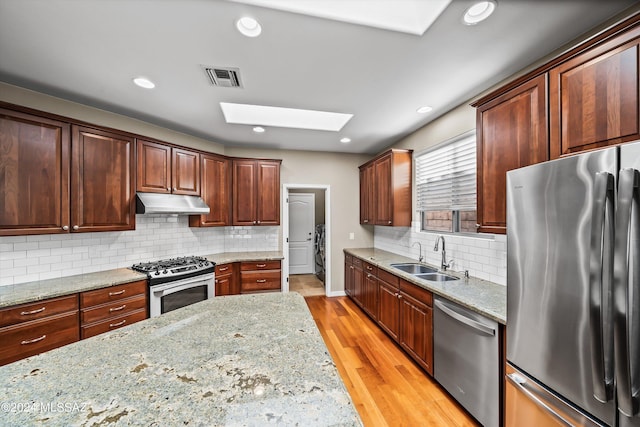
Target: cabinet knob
[169,189]
[255,222]
[477,225]
[75,227]
[175,189]
[389,222]
[65,227]
[366,220]
[258,222]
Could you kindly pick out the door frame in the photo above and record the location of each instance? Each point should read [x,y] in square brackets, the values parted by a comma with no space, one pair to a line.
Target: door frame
[313,229]
[285,232]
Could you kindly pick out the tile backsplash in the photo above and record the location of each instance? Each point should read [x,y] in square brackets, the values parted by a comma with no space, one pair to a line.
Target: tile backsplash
[485,258]
[28,258]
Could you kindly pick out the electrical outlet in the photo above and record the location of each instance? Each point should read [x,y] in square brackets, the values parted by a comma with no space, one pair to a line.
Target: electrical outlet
[352,236]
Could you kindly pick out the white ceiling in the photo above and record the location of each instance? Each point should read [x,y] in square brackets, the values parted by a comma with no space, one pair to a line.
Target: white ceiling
[89,51]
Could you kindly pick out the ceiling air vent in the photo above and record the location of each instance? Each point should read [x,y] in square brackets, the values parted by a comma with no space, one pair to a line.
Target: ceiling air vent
[223,76]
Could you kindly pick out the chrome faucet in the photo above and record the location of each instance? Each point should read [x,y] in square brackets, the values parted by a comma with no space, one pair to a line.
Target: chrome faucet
[420,258]
[444,264]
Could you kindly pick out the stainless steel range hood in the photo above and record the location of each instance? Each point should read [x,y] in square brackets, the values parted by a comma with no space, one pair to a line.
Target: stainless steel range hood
[156,203]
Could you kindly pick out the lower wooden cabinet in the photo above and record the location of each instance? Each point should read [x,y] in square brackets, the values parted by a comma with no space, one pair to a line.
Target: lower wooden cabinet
[107,309]
[260,276]
[403,310]
[226,280]
[30,329]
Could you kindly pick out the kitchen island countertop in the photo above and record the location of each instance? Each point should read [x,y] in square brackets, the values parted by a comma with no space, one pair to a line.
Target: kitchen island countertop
[244,360]
[483,297]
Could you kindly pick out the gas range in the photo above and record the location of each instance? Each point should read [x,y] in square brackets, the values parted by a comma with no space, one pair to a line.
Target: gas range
[173,269]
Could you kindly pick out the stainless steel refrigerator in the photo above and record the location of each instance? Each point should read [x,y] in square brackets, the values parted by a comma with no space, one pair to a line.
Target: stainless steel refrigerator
[573,291]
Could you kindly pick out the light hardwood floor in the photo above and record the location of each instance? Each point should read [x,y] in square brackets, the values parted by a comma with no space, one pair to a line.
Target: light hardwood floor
[386,386]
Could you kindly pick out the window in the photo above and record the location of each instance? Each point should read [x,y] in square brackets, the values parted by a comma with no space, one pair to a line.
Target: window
[446,186]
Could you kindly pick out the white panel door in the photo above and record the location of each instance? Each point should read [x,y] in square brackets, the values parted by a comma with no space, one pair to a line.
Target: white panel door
[301,229]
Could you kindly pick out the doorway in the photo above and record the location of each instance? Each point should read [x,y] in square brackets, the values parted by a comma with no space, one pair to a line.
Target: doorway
[303,264]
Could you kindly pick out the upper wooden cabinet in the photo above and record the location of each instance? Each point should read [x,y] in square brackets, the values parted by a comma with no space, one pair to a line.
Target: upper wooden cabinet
[165,169]
[593,97]
[57,178]
[215,184]
[102,190]
[385,189]
[256,192]
[34,174]
[511,133]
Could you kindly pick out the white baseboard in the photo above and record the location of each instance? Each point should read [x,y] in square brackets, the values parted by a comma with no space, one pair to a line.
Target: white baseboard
[337,294]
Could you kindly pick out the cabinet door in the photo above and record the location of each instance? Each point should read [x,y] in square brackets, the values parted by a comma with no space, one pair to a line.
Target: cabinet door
[102,190]
[244,192]
[358,278]
[370,295]
[185,172]
[34,174]
[268,193]
[389,309]
[593,97]
[511,133]
[367,195]
[348,279]
[216,191]
[153,167]
[383,191]
[416,330]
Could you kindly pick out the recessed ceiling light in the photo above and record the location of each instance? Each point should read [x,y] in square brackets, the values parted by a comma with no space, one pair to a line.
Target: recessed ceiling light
[479,12]
[258,129]
[144,82]
[423,110]
[248,26]
[345,140]
[247,114]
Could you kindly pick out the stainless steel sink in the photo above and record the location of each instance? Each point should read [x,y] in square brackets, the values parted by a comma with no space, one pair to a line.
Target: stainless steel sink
[414,268]
[436,277]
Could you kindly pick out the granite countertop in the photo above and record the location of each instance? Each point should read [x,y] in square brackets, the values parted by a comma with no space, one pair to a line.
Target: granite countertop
[22,293]
[481,296]
[246,360]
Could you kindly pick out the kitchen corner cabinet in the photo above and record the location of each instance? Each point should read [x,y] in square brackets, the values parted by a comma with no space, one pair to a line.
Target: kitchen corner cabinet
[511,133]
[385,189]
[165,169]
[256,192]
[60,178]
[33,328]
[260,276]
[593,97]
[215,185]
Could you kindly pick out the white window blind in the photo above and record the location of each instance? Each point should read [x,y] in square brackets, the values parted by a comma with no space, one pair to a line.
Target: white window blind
[446,176]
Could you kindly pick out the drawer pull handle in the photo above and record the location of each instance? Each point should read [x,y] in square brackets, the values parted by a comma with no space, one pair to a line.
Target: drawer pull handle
[261,280]
[261,265]
[25,342]
[117,308]
[26,313]
[223,268]
[113,325]
[112,294]
[369,268]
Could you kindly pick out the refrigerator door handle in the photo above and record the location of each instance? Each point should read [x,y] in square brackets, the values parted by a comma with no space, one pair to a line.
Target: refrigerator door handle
[627,209]
[600,278]
[521,383]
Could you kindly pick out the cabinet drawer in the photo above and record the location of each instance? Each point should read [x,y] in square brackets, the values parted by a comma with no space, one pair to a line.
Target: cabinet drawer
[357,262]
[113,324]
[28,339]
[370,268]
[260,281]
[422,295]
[259,265]
[38,310]
[113,309]
[112,293]
[388,278]
[224,269]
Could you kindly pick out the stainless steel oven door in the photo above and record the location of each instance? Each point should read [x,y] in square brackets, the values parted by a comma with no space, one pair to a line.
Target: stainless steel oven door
[170,296]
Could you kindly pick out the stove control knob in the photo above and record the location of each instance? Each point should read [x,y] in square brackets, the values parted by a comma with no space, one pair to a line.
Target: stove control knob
[157,273]
[165,272]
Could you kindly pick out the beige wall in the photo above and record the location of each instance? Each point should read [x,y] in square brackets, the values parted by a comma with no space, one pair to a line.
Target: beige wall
[340,172]
[27,98]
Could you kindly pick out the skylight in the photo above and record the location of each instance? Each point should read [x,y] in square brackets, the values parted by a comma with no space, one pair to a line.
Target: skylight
[406,16]
[247,114]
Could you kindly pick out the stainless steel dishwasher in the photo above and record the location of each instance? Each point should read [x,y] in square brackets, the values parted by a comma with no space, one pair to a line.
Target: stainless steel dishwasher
[465,359]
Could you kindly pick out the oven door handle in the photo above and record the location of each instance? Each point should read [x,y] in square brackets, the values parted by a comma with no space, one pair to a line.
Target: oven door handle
[173,287]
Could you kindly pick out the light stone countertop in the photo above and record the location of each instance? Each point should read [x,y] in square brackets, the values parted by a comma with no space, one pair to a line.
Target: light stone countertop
[22,293]
[481,296]
[246,360]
